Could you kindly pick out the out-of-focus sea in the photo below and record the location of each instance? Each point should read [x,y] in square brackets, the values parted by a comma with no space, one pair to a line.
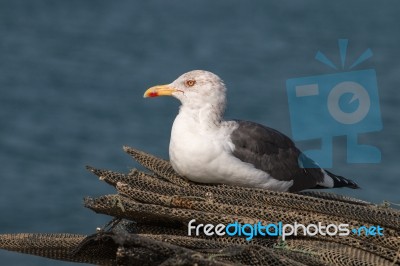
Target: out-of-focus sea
[72,76]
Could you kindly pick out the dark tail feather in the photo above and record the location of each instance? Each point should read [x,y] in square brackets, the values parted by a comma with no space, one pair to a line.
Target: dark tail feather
[340,181]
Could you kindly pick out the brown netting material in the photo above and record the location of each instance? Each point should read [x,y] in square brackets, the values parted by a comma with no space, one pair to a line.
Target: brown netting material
[151,211]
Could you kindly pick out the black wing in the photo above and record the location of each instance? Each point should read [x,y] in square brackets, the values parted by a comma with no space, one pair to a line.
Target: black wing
[273,152]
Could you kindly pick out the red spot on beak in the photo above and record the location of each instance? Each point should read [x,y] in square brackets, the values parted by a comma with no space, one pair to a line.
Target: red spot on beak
[153,94]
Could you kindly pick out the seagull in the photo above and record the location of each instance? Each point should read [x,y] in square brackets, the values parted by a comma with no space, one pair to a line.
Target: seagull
[205,148]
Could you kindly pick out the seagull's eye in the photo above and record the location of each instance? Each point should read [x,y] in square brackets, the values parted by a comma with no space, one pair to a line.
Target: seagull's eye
[190,83]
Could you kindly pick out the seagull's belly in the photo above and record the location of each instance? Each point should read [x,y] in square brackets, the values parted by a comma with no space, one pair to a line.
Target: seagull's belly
[204,155]
[194,158]
[206,160]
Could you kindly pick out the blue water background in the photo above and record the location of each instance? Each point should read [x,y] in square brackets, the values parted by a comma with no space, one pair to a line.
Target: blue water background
[72,76]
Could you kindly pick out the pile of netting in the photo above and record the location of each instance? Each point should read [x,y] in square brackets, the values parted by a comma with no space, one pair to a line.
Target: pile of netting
[151,211]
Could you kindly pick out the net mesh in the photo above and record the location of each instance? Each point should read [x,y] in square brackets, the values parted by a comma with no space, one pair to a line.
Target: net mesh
[151,211]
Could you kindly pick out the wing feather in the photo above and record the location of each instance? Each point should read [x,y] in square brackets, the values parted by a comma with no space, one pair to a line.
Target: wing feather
[273,152]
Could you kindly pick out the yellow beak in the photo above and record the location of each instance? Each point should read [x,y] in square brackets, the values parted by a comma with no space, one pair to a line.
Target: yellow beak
[159,90]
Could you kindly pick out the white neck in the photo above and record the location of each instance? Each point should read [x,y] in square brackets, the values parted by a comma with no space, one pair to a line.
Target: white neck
[205,117]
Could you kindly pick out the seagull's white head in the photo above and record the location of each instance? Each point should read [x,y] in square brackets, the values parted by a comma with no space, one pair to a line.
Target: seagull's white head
[195,89]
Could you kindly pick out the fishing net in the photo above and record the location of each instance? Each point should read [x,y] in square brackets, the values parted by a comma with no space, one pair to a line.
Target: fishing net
[151,211]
